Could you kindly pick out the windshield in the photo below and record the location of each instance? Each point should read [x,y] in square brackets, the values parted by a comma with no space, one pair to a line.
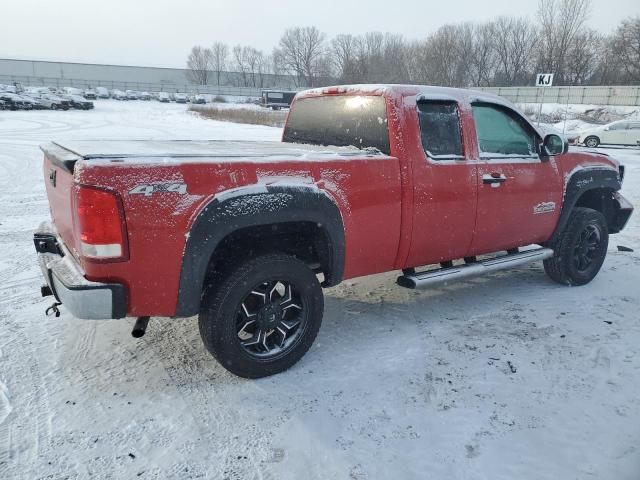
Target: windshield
[360,121]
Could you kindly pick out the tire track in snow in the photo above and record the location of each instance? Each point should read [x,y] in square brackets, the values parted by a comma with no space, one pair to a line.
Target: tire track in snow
[25,433]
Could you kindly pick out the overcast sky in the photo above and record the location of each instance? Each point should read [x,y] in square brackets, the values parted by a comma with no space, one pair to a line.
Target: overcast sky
[161,32]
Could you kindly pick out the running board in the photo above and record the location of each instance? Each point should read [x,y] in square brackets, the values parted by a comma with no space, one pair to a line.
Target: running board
[450,274]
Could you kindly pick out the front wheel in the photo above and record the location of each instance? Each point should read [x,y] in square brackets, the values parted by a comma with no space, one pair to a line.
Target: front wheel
[262,316]
[580,252]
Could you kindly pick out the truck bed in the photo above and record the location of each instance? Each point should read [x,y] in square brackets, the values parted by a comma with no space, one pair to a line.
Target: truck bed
[65,154]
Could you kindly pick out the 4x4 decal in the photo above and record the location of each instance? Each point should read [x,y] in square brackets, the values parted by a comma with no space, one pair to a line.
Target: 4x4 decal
[148,189]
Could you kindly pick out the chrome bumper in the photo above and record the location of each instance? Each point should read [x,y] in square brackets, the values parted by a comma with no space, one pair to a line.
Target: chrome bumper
[64,277]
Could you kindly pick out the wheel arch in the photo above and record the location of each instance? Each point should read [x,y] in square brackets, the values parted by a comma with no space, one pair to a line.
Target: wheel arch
[592,188]
[262,211]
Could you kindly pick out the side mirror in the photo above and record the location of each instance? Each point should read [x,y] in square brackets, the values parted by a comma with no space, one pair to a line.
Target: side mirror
[606,129]
[554,144]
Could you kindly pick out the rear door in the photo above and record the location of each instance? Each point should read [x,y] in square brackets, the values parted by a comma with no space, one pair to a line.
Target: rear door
[519,192]
[444,183]
[633,133]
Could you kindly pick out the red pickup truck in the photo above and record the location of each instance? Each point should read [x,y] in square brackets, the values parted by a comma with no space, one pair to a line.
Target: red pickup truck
[367,179]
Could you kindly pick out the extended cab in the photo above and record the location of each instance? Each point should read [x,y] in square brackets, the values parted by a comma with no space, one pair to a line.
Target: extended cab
[367,179]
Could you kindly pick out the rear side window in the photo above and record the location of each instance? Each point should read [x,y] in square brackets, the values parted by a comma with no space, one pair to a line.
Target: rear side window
[440,129]
[502,132]
[360,121]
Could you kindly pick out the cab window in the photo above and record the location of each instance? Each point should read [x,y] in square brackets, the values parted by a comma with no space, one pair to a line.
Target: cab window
[440,129]
[502,132]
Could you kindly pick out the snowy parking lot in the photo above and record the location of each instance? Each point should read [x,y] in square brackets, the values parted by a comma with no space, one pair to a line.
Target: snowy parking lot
[509,376]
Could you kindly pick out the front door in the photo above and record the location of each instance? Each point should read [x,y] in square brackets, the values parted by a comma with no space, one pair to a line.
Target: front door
[519,192]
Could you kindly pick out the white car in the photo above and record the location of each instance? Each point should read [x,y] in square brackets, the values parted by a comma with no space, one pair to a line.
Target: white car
[180,97]
[164,97]
[102,92]
[623,132]
[118,95]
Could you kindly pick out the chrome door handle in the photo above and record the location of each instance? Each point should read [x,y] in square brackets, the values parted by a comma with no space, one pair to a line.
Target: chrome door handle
[494,178]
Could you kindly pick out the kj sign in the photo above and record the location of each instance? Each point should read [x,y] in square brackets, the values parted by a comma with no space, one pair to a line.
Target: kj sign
[544,80]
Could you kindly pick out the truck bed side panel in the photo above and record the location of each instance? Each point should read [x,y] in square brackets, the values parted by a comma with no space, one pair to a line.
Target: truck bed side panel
[367,191]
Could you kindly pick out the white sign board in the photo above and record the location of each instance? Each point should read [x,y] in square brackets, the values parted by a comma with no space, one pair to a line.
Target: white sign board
[544,80]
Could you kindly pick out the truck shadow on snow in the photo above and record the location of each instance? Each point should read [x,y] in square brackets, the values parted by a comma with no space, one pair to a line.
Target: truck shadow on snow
[376,316]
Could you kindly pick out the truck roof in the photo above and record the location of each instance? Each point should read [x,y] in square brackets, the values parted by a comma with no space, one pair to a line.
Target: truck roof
[425,91]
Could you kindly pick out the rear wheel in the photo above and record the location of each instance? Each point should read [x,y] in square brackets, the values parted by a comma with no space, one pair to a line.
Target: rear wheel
[54,106]
[580,252]
[261,317]
[592,141]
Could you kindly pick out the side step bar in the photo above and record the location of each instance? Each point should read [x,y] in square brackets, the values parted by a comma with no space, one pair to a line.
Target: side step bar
[450,274]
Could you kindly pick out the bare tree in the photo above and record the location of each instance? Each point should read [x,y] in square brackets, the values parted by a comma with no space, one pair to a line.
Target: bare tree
[583,57]
[300,49]
[219,55]
[483,59]
[626,45]
[199,65]
[344,58]
[560,23]
[514,42]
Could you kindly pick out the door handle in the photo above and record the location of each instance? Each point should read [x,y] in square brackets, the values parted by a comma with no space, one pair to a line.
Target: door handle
[494,178]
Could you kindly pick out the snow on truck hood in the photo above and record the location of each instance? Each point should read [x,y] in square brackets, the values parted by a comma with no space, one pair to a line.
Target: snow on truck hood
[174,150]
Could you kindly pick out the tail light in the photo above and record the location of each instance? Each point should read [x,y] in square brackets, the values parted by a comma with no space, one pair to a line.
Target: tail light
[100,224]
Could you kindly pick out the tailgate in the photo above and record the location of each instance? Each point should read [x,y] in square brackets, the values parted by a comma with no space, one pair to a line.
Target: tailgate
[59,182]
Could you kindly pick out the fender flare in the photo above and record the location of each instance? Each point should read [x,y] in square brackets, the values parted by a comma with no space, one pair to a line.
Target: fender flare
[580,181]
[251,206]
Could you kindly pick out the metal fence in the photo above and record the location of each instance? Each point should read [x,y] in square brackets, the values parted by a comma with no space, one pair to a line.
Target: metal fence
[615,95]
[130,85]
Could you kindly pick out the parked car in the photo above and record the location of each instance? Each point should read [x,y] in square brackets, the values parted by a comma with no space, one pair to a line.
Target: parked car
[33,101]
[79,102]
[245,253]
[198,99]
[131,95]
[55,102]
[180,97]
[102,92]
[144,96]
[164,97]
[90,94]
[72,91]
[622,132]
[118,95]
[13,101]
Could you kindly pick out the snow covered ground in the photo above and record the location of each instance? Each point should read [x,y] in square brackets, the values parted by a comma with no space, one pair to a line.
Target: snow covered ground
[505,377]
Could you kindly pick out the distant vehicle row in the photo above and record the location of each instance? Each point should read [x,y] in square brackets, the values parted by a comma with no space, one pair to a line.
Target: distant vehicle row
[42,101]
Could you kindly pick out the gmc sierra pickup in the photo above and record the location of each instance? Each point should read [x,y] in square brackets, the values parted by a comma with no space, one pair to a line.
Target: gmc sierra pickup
[367,179]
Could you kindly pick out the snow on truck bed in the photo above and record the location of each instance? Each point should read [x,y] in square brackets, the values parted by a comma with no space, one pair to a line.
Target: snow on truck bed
[215,149]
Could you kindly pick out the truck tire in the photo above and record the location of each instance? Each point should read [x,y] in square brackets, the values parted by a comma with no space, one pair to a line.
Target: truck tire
[592,141]
[262,316]
[581,250]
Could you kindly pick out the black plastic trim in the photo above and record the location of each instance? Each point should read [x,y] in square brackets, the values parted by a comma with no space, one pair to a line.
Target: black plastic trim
[582,181]
[47,243]
[226,214]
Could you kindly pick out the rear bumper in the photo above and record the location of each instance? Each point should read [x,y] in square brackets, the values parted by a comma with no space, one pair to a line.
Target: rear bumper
[64,277]
[623,211]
